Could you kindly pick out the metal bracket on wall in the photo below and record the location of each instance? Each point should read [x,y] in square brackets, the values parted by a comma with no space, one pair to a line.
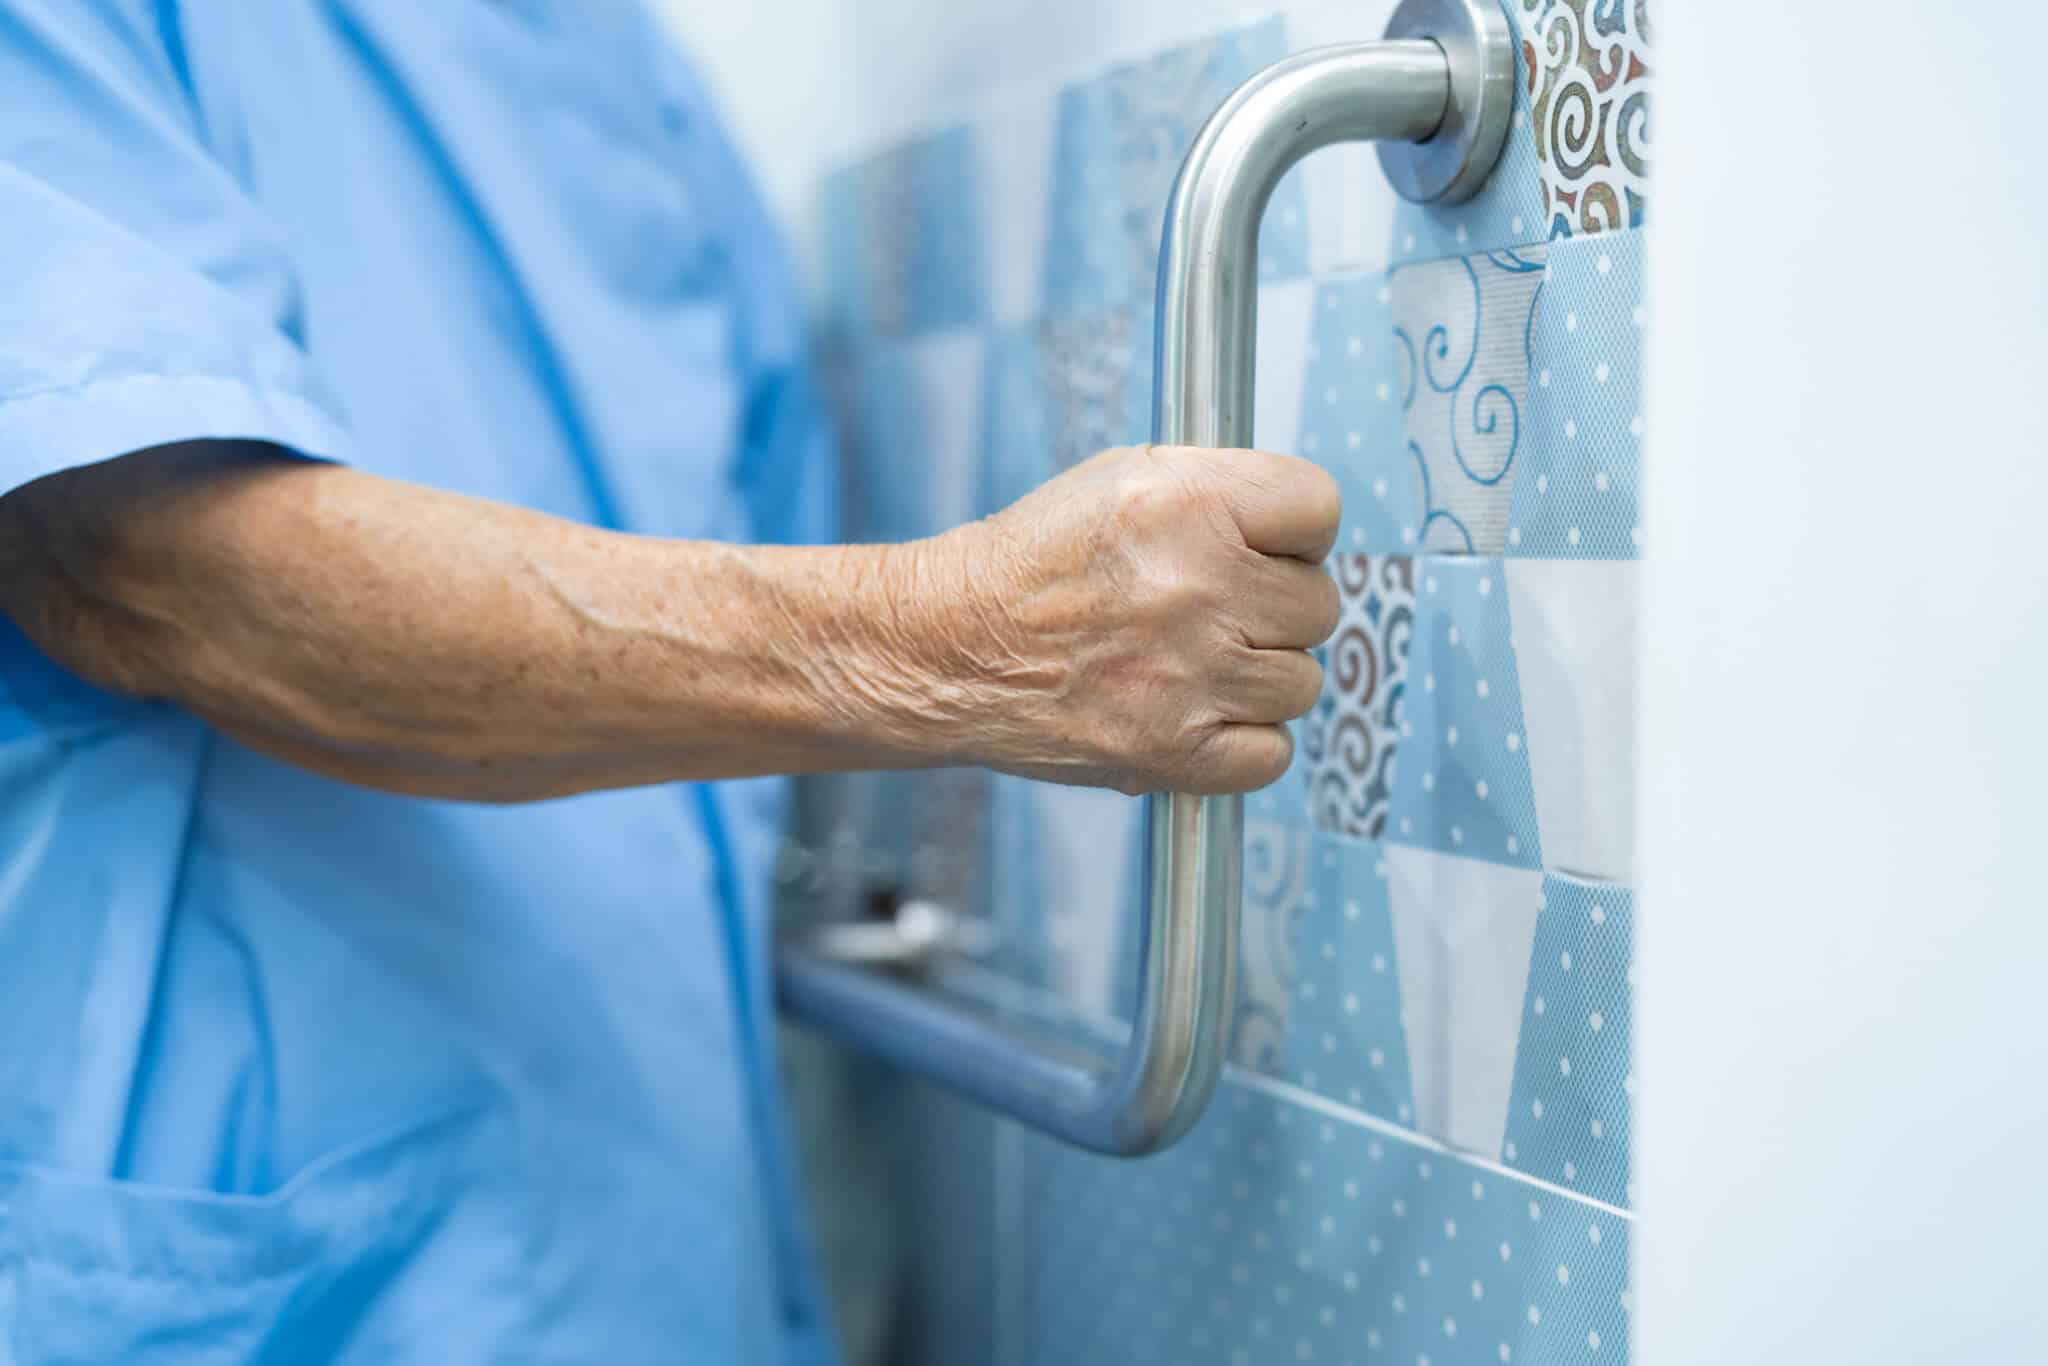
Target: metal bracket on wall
[1435,95]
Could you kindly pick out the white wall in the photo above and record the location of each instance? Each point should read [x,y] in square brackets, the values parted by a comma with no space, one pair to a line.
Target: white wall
[810,84]
[1845,934]
[1845,961]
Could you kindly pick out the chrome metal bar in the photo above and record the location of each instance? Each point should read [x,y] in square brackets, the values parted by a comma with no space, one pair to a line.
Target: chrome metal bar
[1446,74]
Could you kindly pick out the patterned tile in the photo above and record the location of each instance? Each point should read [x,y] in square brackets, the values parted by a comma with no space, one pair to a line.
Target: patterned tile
[1575,1079]
[1400,925]
[1095,370]
[1462,330]
[1276,880]
[1349,739]
[1586,75]
[1576,497]
[1058,391]
[1577,154]
[1274,1234]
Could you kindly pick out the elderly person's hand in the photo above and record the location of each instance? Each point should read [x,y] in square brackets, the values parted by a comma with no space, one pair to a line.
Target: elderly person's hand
[1140,622]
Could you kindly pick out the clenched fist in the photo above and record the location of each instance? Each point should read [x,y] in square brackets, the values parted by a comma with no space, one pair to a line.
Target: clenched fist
[1143,621]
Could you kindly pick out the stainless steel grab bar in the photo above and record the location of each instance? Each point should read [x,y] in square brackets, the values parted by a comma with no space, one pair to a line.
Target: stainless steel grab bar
[1435,94]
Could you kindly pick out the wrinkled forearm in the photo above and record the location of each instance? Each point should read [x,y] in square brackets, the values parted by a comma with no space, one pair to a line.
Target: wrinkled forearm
[429,643]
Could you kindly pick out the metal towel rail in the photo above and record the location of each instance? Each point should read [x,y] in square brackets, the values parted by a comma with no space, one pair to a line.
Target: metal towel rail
[1435,95]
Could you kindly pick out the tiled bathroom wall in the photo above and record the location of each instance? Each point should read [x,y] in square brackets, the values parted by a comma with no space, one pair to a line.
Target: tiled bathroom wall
[1421,1152]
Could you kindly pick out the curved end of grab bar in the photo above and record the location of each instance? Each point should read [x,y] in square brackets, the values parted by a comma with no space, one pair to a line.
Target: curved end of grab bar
[1444,74]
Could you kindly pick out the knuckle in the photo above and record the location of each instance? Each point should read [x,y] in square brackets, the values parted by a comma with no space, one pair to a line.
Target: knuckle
[1329,607]
[1149,496]
[1324,501]
[1275,758]
[1308,690]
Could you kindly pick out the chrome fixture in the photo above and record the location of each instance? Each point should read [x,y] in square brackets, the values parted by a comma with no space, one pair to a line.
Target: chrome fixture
[1434,94]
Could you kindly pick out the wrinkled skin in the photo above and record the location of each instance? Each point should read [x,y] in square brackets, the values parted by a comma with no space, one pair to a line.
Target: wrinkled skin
[1140,622]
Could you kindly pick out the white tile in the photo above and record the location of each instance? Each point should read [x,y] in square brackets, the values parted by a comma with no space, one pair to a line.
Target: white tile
[1462,934]
[1285,317]
[1351,210]
[1015,145]
[947,372]
[1575,650]
[1086,839]
[1317,23]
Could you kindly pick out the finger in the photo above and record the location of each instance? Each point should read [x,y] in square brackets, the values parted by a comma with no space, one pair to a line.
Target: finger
[1273,686]
[1282,505]
[1242,759]
[1289,604]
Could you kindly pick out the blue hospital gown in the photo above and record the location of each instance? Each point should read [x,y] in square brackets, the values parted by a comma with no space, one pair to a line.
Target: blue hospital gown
[296,1072]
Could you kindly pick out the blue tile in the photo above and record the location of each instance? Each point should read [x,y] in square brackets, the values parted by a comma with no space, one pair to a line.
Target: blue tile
[1509,211]
[1276,877]
[1276,1234]
[888,447]
[1016,443]
[1057,392]
[1577,494]
[1461,772]
[1344,1036]
[1119,140]
[1569,1121]
[945,1195]
[1351,416]
[903,238]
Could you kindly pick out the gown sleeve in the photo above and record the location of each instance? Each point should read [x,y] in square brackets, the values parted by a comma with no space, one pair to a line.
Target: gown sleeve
[144,297]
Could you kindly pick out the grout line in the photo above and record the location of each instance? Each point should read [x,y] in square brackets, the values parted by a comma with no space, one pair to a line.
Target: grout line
[998,989]
[1323,1105]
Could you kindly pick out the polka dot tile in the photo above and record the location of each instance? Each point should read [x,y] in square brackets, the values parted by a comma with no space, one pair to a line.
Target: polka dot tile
[1461,769]
[1351,416]
[1568,1121]
[1577,494]
[1344,1037]
[1274,1234]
